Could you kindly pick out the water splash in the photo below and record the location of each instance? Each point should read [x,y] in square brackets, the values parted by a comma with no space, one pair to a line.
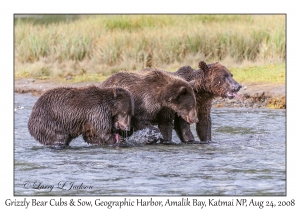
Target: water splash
[142,137]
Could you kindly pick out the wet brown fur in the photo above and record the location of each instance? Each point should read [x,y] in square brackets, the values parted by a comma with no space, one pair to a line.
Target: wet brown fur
[211,81]
[62,114]
[154,91]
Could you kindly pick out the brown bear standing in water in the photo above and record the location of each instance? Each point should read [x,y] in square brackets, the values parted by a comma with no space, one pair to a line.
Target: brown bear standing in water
[154,92]
[62,114]
[212,80]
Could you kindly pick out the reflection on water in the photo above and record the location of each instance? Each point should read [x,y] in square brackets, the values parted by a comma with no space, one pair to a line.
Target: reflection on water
[247,157]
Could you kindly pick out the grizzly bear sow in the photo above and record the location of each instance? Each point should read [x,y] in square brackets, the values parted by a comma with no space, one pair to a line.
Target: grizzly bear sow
[153,92]
[212,80]
[62,114]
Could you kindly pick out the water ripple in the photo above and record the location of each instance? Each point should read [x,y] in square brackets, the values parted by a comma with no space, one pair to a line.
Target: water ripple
[246,157]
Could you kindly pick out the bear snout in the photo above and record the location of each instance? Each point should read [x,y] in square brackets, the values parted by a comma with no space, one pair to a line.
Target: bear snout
[233,86]
[237,87]
[192,117]
[124,126]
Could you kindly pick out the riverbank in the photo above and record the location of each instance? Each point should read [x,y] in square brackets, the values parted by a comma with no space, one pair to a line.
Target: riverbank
[252,95]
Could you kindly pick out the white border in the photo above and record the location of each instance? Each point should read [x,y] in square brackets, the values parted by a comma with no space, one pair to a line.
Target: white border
[154,6]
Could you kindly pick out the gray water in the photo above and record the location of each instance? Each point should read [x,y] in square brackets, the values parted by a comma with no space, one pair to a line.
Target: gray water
[247,157]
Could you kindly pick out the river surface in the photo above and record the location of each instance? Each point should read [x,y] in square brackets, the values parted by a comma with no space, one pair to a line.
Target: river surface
[247,157]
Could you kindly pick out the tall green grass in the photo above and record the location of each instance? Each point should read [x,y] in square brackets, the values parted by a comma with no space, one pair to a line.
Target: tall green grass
[267,73]
[104,44]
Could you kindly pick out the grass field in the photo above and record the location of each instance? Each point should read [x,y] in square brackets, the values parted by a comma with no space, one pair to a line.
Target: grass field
[93,47]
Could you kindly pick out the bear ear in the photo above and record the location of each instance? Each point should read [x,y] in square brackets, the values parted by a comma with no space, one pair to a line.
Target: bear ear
[202,65]
[192,83]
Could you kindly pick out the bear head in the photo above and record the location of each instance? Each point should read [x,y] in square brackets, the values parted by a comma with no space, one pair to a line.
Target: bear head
[218,80]
[122,108]
[181,98]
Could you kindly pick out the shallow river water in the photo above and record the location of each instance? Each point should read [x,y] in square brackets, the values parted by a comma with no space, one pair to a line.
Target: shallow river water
[247,157]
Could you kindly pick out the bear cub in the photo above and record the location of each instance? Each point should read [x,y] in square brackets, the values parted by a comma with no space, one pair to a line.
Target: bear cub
[155,92]
[62,114]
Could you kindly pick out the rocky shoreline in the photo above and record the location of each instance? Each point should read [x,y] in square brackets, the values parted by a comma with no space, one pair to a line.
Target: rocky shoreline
[251,95]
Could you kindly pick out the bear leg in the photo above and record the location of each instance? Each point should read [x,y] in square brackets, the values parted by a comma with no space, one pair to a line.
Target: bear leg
[165,129]
[58,139]
[165,125]
[203,128]
[183,131]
